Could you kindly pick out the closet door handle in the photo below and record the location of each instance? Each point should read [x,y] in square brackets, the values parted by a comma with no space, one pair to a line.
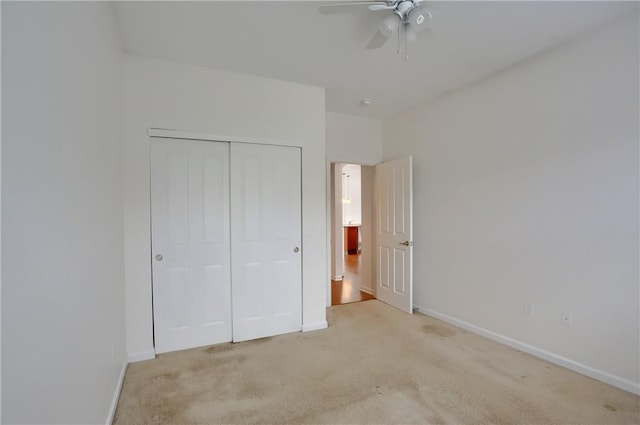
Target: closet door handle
[405,243]
[159,257]
[296,249]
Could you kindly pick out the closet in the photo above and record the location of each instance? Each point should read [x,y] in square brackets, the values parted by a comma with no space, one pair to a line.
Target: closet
[226,242]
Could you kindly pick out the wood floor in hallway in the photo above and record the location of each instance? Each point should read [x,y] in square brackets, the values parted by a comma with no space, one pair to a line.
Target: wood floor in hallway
[348,289]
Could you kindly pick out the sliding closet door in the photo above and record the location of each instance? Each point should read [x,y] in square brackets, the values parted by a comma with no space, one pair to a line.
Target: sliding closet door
[190,243]
[266,240]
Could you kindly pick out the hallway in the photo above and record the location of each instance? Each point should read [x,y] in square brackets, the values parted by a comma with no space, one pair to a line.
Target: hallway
[347,290]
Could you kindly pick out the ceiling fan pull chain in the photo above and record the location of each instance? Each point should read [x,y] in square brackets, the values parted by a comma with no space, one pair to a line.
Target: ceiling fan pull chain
[406,45]
[399,46]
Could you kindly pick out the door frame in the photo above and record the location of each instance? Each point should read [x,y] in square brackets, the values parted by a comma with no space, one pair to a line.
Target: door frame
[330,228]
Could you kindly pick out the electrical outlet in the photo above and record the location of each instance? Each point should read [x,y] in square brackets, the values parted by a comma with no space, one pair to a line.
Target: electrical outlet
[566,319]
[528,309]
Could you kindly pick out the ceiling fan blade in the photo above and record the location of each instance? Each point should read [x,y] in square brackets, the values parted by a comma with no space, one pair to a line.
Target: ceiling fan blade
[380,6]
[377,41]
[342,7]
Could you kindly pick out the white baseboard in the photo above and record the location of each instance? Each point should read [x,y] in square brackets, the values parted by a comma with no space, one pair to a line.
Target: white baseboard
[367,290]
[600,375]
[116,395]
[138,357]
[315,326]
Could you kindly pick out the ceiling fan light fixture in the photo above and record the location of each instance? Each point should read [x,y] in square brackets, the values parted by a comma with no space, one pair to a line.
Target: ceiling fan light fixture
[390,25]
[418,18]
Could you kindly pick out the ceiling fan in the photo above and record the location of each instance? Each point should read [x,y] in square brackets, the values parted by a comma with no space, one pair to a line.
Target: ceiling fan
[407,16]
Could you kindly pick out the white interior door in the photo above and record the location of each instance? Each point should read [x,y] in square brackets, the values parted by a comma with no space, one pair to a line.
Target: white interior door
[266,240]
[190,243]
[394,229]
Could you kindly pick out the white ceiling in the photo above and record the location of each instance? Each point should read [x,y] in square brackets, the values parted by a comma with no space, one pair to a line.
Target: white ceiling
[292,41]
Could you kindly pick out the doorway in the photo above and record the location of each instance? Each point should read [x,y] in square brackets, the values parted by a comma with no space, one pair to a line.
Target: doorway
[352,236]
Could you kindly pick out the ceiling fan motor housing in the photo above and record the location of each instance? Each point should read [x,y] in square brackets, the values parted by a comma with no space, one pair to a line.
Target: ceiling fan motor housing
[403,7]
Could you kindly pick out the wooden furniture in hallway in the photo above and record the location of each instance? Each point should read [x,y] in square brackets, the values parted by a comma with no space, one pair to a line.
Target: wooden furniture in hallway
[351,239]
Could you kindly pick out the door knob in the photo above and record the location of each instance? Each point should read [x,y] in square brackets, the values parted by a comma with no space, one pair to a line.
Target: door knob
[405,243]
[296,249]
[159,257]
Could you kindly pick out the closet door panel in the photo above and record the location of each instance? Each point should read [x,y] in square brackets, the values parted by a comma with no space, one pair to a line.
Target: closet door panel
[266,240]
[190,243]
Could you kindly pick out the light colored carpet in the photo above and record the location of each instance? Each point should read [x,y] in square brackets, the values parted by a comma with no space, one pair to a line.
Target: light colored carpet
[373,364]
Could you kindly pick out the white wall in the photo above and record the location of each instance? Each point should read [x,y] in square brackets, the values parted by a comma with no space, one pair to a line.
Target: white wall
[169,95]
[63,334]
[526,190]
[353,139]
